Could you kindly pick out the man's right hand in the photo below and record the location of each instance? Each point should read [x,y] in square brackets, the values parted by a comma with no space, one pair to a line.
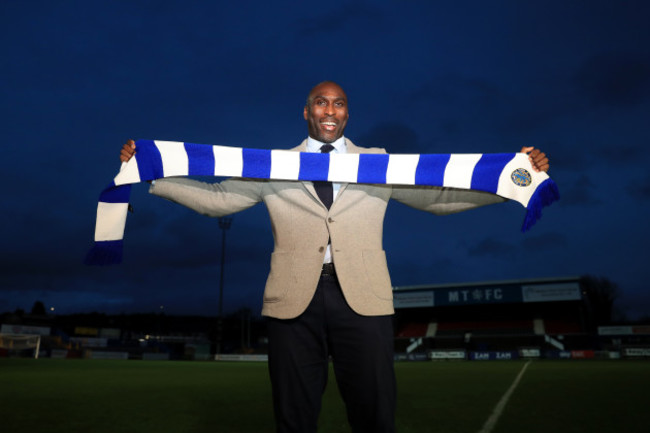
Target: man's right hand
[128,150]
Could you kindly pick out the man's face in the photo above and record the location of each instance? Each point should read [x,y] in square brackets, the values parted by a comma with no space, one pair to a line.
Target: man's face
[326,112]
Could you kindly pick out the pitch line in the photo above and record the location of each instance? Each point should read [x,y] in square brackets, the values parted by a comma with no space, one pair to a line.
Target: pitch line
[498,409]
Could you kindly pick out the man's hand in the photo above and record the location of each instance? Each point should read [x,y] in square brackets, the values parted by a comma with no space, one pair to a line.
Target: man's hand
[128,150]
[536,157]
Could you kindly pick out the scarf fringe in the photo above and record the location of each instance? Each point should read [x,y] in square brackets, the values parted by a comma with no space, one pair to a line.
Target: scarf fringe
[547,193]
[105,253]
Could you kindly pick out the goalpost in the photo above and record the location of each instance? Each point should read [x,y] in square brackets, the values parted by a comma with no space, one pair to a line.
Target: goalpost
[21,344]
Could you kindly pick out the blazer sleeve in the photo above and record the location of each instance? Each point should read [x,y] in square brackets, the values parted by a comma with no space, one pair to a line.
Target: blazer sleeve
[443,201]
[211,199]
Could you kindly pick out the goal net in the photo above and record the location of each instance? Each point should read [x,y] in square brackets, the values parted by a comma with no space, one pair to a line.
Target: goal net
[20,345]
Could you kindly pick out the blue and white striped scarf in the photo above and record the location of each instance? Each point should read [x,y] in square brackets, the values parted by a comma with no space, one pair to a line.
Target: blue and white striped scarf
[508,175]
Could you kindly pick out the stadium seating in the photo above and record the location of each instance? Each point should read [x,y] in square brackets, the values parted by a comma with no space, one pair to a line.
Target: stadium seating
[411,329]
[556,327]
[512,327]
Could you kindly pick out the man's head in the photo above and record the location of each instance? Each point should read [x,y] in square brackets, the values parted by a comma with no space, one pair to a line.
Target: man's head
[326,112]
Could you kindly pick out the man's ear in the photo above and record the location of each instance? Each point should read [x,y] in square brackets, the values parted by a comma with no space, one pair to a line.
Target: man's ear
[305,112]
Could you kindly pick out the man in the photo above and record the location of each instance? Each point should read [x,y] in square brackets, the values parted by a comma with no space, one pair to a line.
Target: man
[328,293]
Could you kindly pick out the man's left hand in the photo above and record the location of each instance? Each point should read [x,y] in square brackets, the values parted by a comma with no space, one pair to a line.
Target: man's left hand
[537,158]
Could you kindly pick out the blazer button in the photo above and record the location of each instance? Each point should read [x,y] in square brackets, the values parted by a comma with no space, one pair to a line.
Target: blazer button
[321,249]
[330,220]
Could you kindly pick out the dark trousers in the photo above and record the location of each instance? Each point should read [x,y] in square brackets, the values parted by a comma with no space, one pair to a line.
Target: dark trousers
[361,349]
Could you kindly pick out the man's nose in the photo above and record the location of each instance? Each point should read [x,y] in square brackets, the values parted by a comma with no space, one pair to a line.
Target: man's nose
[329,109]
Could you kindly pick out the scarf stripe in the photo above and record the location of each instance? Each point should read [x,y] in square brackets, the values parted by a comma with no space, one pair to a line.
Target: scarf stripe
[508,175]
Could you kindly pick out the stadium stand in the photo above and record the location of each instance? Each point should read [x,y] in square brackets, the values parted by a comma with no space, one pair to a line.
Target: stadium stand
[502,315]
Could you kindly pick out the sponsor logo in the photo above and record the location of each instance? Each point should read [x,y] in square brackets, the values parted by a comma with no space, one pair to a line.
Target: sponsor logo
[581,354]
[529,353]
[637,351]
[485,356]
[521,177]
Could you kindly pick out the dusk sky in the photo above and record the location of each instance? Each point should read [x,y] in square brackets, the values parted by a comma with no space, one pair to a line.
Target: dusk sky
[80,77]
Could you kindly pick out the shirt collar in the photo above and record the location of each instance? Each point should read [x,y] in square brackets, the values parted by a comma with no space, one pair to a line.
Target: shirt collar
[314,145]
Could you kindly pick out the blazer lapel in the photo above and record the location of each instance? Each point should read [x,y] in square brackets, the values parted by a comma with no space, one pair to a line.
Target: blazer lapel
[309,186]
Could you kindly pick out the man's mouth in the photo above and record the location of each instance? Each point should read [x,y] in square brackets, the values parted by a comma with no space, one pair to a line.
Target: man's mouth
[328,126]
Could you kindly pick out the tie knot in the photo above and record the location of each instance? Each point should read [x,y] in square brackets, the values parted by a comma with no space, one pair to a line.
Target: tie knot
[326,148]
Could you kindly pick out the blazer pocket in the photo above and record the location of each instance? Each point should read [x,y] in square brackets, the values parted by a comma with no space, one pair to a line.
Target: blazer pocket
[278,282]
[376,268]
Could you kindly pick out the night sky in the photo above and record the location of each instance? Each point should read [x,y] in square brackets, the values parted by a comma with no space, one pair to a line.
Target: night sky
[79,78]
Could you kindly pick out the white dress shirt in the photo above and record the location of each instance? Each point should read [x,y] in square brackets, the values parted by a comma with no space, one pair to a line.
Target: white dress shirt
[314,145]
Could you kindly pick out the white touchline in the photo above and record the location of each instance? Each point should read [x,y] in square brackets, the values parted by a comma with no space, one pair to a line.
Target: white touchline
[498,409]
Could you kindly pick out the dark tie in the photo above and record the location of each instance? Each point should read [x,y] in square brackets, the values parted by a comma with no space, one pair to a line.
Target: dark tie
[323,188]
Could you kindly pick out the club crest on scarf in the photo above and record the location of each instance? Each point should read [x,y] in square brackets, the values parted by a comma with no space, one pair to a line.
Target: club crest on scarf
[521,177]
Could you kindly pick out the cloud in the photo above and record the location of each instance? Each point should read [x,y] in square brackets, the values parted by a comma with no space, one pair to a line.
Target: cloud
[456,96]
[620,153]
[634,301]
[497,248]
[579,192]
[339,18]
[639,189]
[168,235]
[545,242]
[492,248]
[615,79]
[395,137]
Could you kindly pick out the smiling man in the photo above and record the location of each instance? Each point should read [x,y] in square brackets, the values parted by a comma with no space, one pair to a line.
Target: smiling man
[326,112]
[328,294]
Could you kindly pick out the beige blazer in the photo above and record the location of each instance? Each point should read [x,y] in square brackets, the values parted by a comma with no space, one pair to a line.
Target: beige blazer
[302,225]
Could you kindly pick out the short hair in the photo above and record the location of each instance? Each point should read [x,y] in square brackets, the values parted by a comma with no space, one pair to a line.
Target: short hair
[309,97]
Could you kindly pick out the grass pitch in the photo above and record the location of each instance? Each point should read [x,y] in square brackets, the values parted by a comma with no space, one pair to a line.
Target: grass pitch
[447,397]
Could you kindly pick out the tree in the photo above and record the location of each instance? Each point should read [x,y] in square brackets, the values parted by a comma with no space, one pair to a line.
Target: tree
[600,294]
[38,309]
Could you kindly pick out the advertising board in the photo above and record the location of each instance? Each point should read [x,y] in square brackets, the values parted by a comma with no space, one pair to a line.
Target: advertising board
[493,355]
[447,354]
